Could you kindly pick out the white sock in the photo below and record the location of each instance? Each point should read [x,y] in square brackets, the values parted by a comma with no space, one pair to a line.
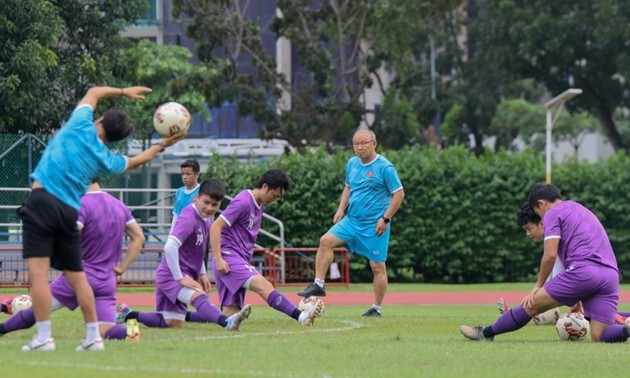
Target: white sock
[43,330]
[377,308]
[319,282]
[92,331]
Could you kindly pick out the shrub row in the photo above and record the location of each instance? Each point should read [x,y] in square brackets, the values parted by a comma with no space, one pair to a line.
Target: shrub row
[457,222]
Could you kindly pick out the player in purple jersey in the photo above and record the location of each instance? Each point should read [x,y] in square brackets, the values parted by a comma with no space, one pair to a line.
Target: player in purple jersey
[232,237]
[73,157]
[181,278]
[102,220]
[574,235]
[372,195]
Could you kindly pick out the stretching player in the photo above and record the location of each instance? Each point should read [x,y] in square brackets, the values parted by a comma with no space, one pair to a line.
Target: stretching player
[233,235]
[181,278]
[103,220]
[591,273]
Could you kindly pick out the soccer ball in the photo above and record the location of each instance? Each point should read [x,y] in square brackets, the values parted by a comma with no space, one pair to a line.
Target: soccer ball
[572,327]
[307,303]
[171,118]
[547,317]
[21,302]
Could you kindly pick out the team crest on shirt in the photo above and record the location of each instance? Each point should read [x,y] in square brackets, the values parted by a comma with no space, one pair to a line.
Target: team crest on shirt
[370,173]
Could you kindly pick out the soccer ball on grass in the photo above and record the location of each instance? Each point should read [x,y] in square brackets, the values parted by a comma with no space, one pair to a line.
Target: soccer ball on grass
[306,303]
[21,302]
[572,327]
[171,118]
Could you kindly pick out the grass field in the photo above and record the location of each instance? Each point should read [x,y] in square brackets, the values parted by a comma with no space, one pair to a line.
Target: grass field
[409,341]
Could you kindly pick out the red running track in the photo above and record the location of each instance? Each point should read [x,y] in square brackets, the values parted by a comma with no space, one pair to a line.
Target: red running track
[366,298]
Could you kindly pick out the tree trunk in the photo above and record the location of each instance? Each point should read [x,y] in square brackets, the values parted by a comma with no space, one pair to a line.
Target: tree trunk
[604,116]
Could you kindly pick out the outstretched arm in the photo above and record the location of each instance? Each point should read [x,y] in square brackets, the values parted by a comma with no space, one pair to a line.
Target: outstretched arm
[95,94]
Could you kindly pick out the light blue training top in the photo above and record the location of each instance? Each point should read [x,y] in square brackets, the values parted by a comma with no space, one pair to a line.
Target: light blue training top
[74,156]
[184,197]
[371,187]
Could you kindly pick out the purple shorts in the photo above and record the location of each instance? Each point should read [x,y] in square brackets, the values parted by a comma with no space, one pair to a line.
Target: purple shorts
[596,286]
[230,286]
[104,295]
[166,292]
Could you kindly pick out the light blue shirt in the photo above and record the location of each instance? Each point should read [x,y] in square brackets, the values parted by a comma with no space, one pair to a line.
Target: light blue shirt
[371,187]
[74,156]
[184,197]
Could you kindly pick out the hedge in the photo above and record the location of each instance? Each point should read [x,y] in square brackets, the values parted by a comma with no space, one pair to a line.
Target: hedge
[457,223]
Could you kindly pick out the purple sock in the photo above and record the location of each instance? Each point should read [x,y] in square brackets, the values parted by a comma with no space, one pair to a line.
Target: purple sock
[152,319]
[22,320]
[623,313]
[206,312]
[283,304]
[513,319]
[117,332]
[613,334]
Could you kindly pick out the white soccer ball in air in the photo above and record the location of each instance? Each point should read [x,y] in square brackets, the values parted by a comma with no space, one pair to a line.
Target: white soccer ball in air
[171,118]
[572,327]
[547,317]
[21,302]
[307,303]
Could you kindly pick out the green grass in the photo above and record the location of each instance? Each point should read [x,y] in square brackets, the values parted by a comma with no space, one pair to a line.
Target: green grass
[408,341]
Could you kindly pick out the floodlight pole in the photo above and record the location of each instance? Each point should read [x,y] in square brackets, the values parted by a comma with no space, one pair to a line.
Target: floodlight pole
[557,104]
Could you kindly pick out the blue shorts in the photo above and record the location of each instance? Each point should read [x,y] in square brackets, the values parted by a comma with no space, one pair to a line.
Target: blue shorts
[361,238]
[596,286]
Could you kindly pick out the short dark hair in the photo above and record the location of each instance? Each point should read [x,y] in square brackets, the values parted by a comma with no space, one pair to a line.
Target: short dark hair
[96,180]
[214,188]
[116,125]
[275,179]
[191,163]
[545,192]
[527,215]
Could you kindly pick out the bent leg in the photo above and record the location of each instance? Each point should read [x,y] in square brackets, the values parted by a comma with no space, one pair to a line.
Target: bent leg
[325,254]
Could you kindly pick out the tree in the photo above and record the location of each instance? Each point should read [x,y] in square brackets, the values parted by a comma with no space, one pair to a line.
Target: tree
[29,32]
[52,51]
[560,44]
[338,46]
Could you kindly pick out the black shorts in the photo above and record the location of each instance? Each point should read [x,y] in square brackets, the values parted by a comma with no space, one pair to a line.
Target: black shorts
[49,229]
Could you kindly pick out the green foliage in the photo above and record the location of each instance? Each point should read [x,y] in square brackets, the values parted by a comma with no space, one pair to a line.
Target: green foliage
[561,44]
[457,223]
[51,52]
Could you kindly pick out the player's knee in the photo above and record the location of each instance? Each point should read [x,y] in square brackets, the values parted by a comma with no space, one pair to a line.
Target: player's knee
[327,242]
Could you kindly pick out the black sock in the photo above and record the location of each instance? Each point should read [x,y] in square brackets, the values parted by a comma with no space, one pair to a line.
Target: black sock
[3,308]
[132,315]
[488,332]
[222,321]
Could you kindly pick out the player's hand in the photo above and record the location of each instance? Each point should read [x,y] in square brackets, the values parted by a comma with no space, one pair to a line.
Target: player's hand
[118,271]
[136,92]
[222,266]
[190,283]
[381,226]
[171,140]
[338,215]
[205,283]
[528,301]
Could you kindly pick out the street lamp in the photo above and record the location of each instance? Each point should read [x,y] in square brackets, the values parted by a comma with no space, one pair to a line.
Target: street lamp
[556,104]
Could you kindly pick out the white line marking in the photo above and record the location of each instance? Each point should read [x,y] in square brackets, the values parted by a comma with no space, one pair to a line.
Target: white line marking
[350,325]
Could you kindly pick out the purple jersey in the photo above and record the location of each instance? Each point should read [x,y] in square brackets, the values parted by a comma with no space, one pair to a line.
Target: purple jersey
[583,240]
[243,216]
[104,219]
[191,230]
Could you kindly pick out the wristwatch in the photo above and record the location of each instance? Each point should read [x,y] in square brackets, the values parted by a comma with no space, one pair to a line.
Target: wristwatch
[385,219]
[162,146]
